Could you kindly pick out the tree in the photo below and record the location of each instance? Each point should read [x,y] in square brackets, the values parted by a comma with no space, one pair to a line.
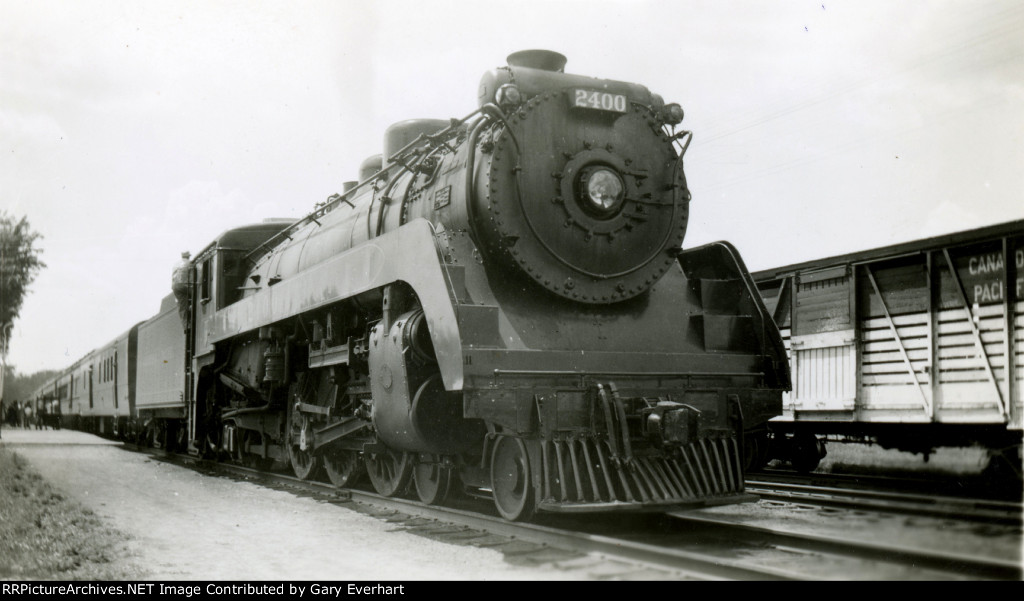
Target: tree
[19,264]
[19,386]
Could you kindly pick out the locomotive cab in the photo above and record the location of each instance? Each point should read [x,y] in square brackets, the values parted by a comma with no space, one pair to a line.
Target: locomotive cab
[222,267]
[219,280]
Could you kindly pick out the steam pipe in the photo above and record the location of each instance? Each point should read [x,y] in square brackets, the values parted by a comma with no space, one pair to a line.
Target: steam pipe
[622,417]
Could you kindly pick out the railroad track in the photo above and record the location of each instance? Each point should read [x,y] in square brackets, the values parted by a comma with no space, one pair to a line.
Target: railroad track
[845,557]
[680,546]
[886,501]
[947,485]
[472,522]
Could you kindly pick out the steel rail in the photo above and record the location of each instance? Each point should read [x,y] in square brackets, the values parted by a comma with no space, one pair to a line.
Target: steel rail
[976,510]
[956,563]
[687,564]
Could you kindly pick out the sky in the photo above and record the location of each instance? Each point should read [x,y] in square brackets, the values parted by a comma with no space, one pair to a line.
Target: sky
[132,131]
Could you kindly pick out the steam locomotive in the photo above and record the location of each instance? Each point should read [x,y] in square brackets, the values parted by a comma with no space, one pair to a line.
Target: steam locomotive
[501,302]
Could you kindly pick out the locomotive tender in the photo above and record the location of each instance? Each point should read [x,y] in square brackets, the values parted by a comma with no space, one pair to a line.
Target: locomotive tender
[912,346]
[501,301]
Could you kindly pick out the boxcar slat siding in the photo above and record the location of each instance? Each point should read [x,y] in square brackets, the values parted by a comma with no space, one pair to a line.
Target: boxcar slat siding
[903,288]
[958,354]
[905,333]
[889,344]
[960,351]
[1017,328]
[894,379]
[908,319]
[968,364]
[823,306]
[897,367]
[894,356]
[962,325]
[983,311]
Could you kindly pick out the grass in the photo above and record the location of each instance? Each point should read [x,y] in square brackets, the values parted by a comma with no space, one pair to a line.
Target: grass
[46,536]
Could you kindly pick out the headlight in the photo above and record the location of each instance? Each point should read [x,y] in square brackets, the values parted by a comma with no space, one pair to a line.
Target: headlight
[672,114]
[602,191]
[508,96]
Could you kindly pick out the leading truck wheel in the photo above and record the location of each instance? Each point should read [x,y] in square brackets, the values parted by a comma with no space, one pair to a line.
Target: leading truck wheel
[510,479]
[755,451]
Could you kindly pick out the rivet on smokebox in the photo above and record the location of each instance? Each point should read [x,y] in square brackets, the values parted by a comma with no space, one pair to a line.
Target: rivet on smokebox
[569,283]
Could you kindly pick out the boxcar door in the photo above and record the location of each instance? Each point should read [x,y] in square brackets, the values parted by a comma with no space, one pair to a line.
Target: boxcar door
[823,341]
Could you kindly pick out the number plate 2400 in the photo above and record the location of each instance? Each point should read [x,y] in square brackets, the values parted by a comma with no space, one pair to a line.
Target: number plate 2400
[597,100]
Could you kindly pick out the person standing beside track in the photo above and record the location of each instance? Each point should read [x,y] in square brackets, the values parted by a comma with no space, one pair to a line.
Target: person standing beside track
[42,417]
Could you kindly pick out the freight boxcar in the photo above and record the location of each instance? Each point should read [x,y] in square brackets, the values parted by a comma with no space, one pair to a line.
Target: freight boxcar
[913,346]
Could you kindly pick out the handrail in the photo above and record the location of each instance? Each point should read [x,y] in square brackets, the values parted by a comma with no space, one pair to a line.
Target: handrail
[434,140]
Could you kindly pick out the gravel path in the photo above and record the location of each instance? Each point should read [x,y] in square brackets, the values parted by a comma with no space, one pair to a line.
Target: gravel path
[186,526]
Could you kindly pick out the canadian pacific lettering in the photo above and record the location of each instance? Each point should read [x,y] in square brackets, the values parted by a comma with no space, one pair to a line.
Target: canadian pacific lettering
[993,289]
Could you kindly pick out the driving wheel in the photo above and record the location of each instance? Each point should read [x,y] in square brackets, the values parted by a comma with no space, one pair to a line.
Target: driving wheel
[304,463]
[342,467]
[433,481]
[389,471]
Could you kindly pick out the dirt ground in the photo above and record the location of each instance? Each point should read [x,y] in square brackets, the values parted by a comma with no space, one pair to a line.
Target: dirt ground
[186,526]
[182,525]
